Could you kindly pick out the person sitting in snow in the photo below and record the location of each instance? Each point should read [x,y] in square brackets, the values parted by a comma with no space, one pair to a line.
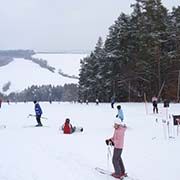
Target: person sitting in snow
[118,142]
[67,127]
[120,113]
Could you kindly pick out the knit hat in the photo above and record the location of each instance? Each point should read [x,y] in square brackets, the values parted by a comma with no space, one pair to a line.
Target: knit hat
[117,121]
[67,120]
[118,106]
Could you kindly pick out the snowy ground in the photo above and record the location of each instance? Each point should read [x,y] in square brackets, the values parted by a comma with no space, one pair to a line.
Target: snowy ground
[29,153]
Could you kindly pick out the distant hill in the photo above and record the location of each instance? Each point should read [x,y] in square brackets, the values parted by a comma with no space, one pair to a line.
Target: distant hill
[21,69]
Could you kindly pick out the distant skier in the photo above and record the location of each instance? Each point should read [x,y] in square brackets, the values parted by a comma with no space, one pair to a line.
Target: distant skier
[112,101]
[155,104]
[8,101]
[120,113]
[97,101]
[38,112]
[166,103]
[0,102]
[118,142]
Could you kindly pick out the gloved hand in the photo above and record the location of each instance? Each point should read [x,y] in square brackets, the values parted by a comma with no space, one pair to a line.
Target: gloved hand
[109,142]
[117,115]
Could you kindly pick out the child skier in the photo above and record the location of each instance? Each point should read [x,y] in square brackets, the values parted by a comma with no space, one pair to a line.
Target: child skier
[38,112]
[120,113]
[67,127]
[118,142]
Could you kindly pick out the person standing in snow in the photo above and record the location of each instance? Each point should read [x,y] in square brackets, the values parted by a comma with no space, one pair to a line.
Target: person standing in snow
[155,104]
[112,101]
[97,101]
[118,142]
[38,112]
[0,102]
[120,113]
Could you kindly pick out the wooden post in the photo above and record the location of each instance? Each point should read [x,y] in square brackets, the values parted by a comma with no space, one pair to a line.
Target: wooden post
[159,66]
[129,91]
[178,121]
[178,87]
[164,128]
[145,101]
[161,89]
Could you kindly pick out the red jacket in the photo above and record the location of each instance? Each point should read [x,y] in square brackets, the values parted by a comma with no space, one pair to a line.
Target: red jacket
[67,128]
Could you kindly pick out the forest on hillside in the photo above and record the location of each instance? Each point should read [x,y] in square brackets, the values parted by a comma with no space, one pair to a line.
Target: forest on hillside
[139,58]
[68,92]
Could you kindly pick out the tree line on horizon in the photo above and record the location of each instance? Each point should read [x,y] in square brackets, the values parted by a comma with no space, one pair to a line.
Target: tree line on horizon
[68,92]
[139,58]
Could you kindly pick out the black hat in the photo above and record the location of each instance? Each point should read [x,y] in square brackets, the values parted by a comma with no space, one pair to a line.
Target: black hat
[67,120]
[118,106]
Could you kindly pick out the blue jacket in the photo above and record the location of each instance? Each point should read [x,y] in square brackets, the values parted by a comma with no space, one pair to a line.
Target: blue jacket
[120,115]
[38,109]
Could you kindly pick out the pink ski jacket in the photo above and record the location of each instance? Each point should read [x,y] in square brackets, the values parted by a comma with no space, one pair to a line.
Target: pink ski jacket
[118,137]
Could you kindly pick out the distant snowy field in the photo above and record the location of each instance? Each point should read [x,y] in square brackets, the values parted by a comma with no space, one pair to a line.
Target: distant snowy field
[30,153]
[68,63]
[23,73]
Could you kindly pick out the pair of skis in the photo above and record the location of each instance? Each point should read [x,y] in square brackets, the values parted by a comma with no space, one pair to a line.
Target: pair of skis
[2,126]
[108,173]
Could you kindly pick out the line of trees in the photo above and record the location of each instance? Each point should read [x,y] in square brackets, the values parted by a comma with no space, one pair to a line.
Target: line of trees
[68,92]
[140,56]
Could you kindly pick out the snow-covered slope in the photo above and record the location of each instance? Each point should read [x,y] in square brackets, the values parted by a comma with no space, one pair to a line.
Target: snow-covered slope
[23,73]
[68,63]
[29,153]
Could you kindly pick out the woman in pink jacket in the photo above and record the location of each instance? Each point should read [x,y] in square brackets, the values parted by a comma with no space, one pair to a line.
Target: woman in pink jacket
[118,142]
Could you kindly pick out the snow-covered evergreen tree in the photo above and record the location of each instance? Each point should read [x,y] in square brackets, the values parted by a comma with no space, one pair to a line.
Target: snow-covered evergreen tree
[137,56]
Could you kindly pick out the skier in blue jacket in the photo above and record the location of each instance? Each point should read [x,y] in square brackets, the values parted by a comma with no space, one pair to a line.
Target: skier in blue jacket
[120,114]
[38,112]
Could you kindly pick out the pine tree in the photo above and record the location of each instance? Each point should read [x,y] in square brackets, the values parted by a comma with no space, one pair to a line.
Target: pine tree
[140,55]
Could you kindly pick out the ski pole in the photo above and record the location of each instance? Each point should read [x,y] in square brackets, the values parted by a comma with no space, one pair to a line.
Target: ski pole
[108,157]
[178,121]
[168,129]
[164,128]
[171,128]
[32,115]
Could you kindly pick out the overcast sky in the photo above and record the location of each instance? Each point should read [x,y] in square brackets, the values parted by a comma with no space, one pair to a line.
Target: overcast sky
[57,25]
